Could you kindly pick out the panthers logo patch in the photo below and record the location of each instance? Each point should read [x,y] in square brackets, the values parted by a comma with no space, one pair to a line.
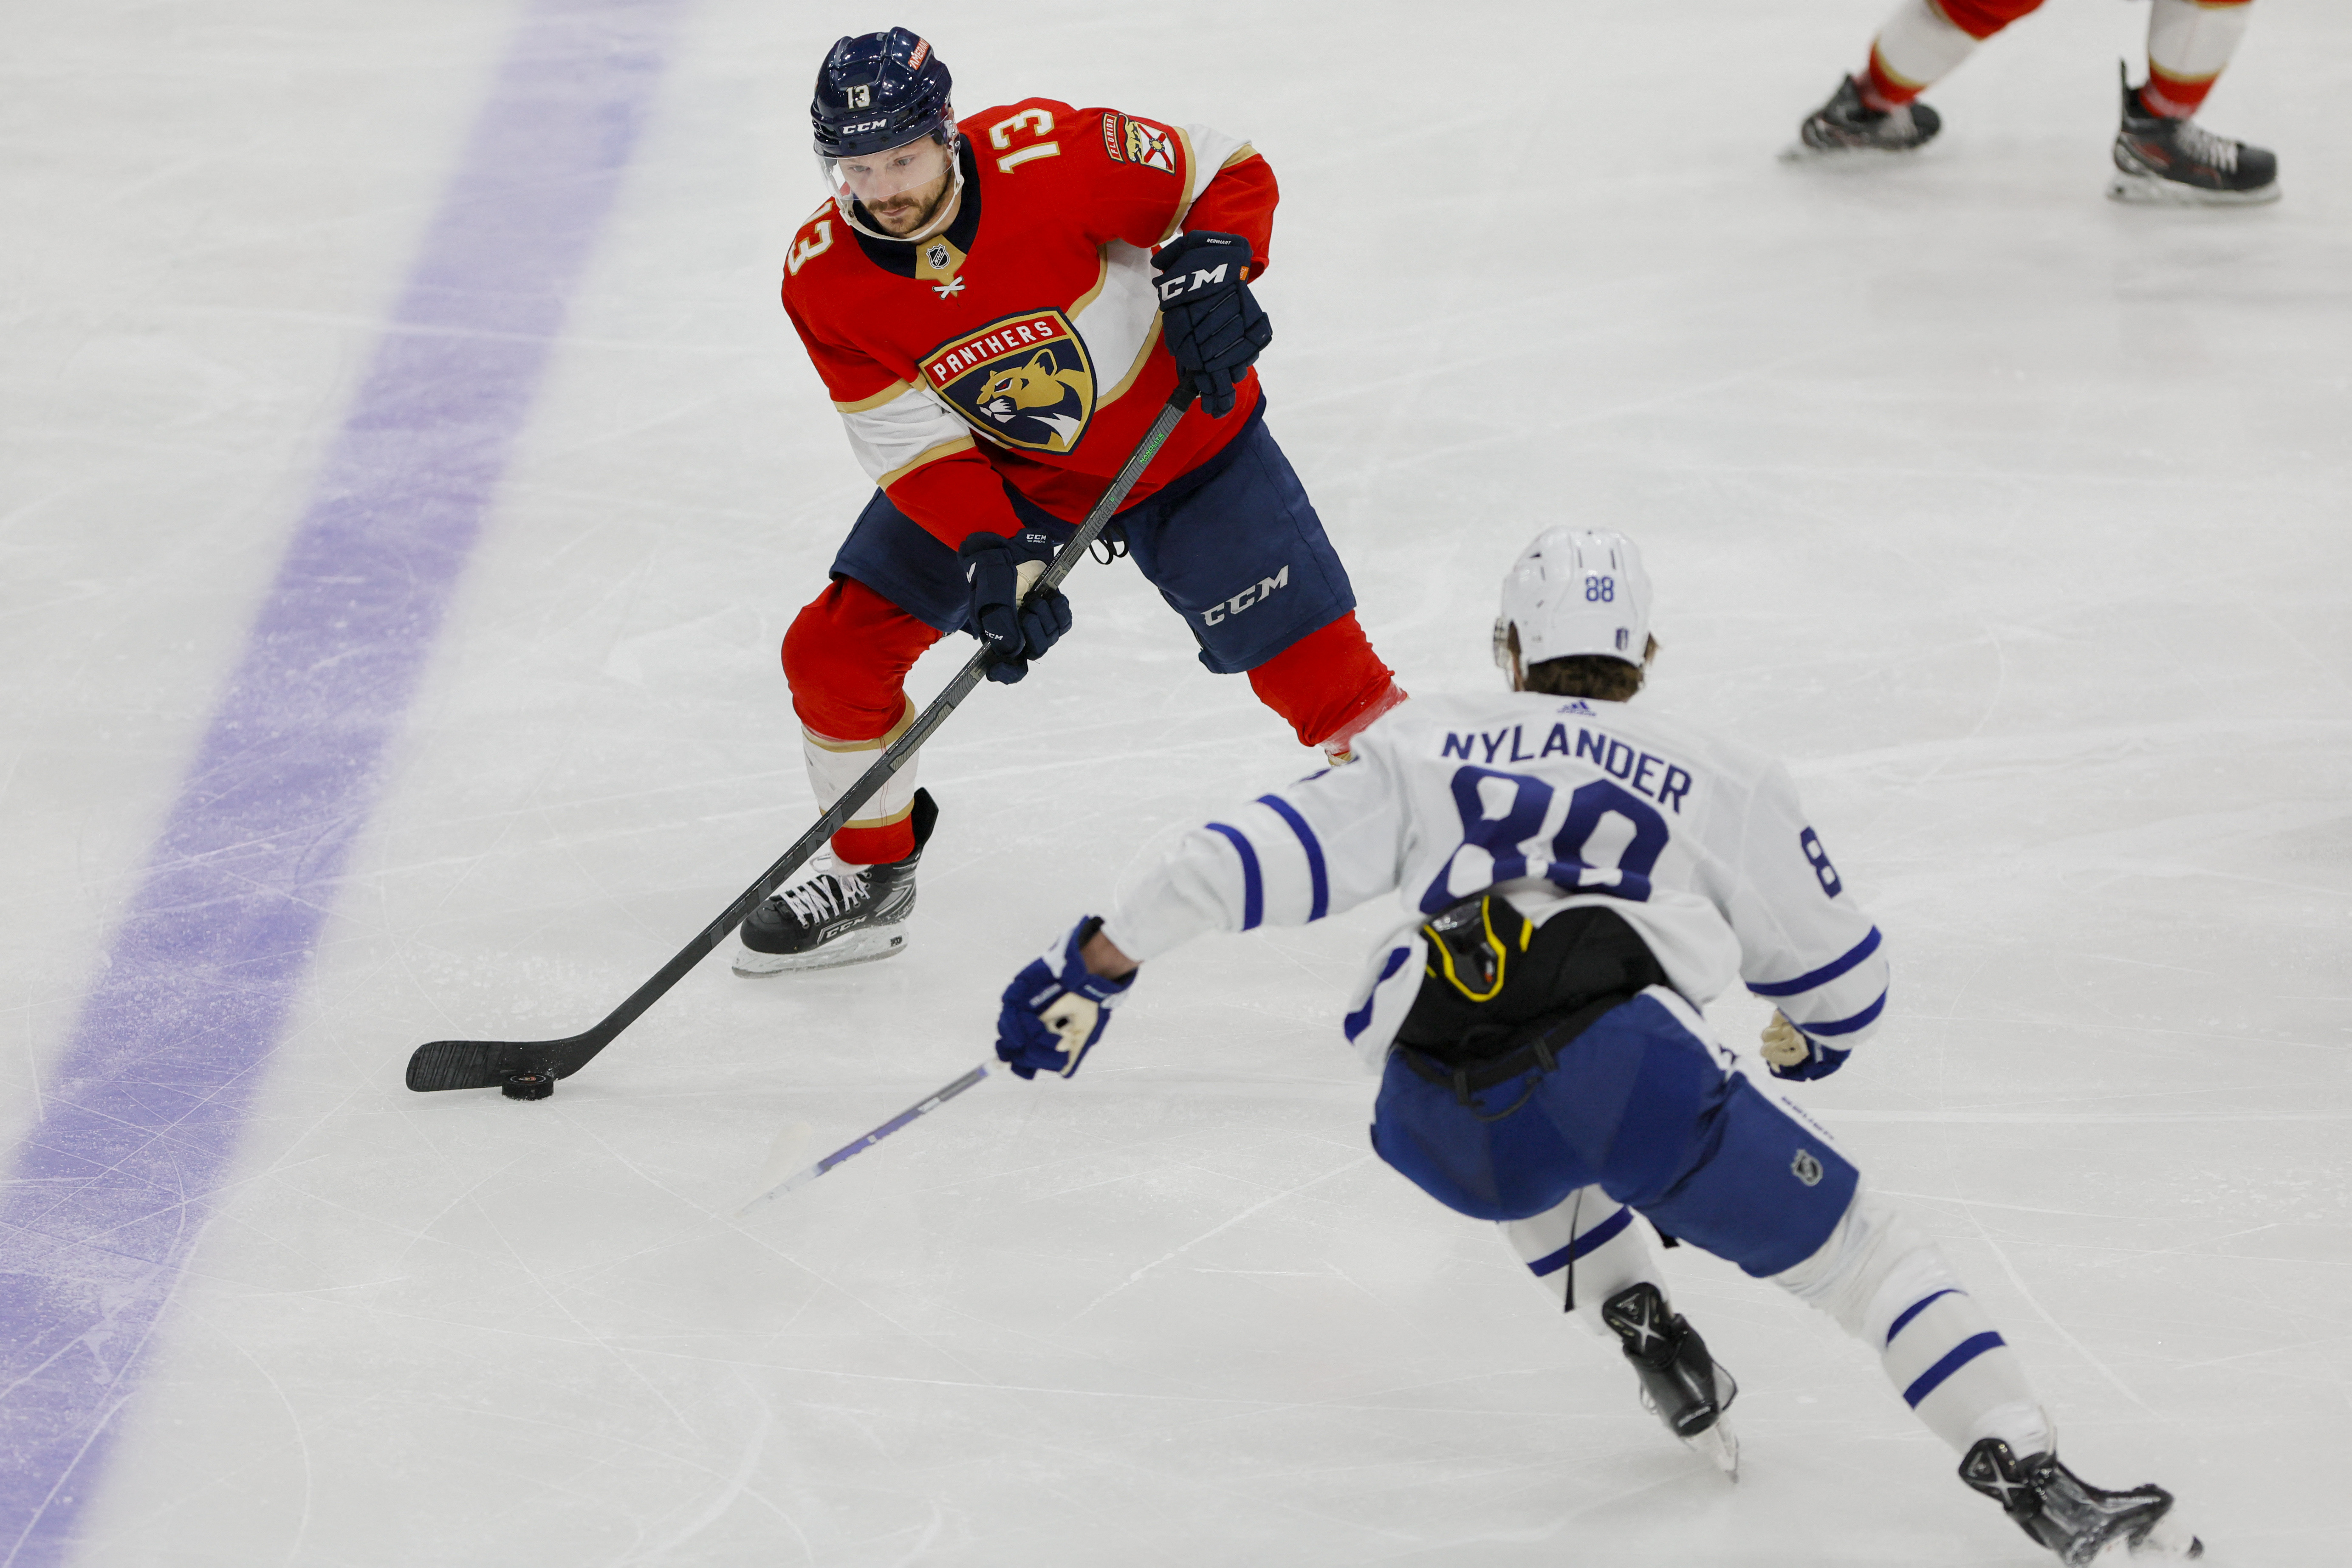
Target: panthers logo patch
[1130,140]
[1025,382]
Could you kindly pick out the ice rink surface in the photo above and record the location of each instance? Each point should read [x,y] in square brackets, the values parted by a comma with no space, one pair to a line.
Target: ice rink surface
[2015,519]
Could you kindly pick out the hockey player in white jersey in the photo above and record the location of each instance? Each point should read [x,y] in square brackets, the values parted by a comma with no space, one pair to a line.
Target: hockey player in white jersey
[1578,877]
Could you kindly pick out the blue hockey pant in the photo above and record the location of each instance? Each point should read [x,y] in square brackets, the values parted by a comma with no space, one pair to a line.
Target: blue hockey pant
[1643,1106]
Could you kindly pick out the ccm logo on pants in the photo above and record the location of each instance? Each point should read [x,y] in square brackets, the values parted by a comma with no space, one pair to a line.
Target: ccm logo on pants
[1246,597]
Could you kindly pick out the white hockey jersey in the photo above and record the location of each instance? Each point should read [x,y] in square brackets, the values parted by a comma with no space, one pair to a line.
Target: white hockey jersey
[1700,845]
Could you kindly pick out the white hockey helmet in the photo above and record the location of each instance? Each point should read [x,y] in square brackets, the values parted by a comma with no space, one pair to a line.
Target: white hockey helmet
[1575,591]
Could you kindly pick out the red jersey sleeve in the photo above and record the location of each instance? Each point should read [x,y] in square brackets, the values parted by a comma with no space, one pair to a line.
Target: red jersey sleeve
[1240,199]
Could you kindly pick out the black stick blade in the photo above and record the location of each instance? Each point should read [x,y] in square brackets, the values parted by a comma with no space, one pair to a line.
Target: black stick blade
[488,1064]
[463,1064]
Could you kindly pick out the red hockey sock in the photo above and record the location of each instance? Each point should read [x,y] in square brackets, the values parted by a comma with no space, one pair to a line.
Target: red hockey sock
[1881,90]
[1327,684]
[1980,19]
[2190,43]
[1924,40]
[846,658]
[2168,98]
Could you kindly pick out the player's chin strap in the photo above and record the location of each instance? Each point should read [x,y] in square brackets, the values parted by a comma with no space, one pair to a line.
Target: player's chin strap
[849,207]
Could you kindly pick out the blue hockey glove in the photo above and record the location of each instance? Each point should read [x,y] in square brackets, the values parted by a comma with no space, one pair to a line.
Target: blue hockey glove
[1212,321]
[1056,1008]
[999,572]
[1792,1053]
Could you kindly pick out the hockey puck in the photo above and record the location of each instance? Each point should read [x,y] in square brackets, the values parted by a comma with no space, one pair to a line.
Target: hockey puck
[529,1086]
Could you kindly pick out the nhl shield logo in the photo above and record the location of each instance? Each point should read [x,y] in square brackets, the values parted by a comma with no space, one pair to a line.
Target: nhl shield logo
[1806,1168]
[938,256]
[1025,382]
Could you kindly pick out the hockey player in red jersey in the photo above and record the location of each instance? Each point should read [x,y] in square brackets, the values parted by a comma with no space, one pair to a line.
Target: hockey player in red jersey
[983,302]
[2161,153]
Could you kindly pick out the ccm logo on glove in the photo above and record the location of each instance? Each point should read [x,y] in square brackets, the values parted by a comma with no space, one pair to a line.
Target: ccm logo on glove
[1208,317]
[999,574]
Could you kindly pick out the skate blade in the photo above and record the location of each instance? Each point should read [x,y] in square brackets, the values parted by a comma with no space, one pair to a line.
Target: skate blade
[2150,190]
[1720,1444]
[1804,152]
[866,946]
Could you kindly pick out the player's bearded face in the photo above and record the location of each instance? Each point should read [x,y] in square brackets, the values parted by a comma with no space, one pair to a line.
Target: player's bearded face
[903,188]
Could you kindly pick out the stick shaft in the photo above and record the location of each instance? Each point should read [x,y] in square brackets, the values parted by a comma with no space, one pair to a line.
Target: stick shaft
[452,1064]
[900,753]
[922,1108]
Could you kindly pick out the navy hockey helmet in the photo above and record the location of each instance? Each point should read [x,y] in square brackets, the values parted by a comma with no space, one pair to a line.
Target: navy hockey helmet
[880,90]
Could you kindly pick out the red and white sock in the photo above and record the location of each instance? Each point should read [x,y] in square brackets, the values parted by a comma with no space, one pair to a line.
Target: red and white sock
[1924,40]
[2190,43]
[847,656]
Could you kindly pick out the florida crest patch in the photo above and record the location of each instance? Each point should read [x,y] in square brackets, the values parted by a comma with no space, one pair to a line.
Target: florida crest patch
[1025,381]
[1132,140]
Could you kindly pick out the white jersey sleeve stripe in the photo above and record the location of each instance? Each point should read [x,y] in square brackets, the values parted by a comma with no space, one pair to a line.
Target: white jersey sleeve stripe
[1821,976]
[1319,876]
[1361,1019]
[1253,880]
[1855,1024]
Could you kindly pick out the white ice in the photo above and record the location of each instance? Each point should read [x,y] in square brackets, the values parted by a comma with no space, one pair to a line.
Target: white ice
[2015,519]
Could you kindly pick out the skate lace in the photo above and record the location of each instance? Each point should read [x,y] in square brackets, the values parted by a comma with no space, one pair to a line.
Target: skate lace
[822,897]
[2206,147]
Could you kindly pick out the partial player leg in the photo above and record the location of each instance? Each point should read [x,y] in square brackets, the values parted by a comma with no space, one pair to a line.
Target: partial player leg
[1244,559]
[1643,1104]
[1592,1256]
[1328,686]
[1923,42]
[2161,153]
[846,658]
[1890,1288]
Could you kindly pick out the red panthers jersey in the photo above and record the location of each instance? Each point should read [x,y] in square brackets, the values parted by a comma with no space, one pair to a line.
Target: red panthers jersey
[1023,342]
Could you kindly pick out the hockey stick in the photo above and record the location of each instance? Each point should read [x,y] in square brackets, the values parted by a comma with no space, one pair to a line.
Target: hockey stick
[527,1069]
[810,1174]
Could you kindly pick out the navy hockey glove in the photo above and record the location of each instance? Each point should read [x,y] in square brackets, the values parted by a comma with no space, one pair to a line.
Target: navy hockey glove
[1211,320]
[1056,1008]
[1792,1053]
[999,572]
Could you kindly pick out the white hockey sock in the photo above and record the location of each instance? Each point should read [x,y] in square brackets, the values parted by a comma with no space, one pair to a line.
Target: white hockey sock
[1593,1241]
[2189,44]
[1915,49]
[1891,1289]
[834,765]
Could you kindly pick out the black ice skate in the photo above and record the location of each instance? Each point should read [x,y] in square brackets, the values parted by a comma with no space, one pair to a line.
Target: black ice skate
[2077,1520]
[1846,124]
[2178,161]
[1680,1380]
[831,918]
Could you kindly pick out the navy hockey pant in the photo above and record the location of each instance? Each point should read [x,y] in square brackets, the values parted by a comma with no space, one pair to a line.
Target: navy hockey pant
[1645,1108]
[1234,547]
